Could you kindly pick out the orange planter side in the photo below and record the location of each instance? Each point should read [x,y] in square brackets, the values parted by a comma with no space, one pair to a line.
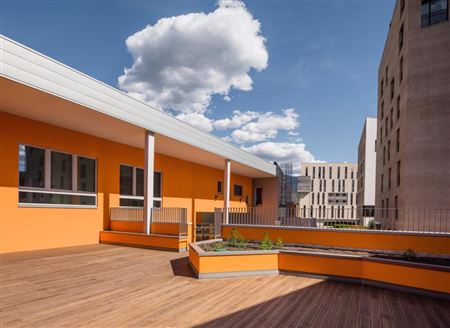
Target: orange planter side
[353,239]
[344,267]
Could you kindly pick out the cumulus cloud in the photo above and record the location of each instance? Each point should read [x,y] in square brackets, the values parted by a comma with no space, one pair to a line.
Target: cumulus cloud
[180,62]
[266,126]
[282,152]
[198,120]
[236,121]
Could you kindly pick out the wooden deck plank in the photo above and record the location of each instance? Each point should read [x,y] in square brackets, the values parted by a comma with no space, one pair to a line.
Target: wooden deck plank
[113,286]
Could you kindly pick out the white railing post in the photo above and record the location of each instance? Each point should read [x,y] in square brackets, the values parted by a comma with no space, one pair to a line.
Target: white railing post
[226,189]
[148,179]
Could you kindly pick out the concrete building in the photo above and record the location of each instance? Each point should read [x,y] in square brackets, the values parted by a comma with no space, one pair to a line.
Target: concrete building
[413,138]
[365,197]
[328,191]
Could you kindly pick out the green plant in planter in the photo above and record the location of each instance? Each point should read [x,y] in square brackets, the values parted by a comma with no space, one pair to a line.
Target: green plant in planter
[218,246]
[409,255]
[266,243]
[279,243]
[236,239]
[371,224]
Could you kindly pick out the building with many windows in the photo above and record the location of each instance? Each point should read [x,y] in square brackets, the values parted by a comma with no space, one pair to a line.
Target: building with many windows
[365,197]
[328,191]
[413,137]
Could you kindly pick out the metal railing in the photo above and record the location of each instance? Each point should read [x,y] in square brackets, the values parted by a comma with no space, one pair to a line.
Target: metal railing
[169,215]
[340,217]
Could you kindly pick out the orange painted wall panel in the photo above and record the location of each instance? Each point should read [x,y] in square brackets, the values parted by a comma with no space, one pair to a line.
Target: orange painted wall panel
[185,184]
[407,276]
[321,265]
[353,239]
[142,240]
[236,263]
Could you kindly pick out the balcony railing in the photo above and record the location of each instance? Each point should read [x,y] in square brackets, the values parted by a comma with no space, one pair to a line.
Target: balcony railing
[165,215]
[338,217]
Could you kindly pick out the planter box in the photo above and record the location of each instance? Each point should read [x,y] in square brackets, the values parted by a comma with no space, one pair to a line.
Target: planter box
[232,263]
[419,278]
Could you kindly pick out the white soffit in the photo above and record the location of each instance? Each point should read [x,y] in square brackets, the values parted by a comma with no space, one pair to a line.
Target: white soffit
[26,66]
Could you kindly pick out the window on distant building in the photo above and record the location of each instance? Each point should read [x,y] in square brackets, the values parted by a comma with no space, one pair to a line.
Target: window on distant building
[345,172]
[401,69]
[389,179]
[392,88]
[402,6]
[324,185]
[386,126]
[353,185]
[400,38]
[343,185]
[381,88]
[312,185]
[238,190]
[323,198]
[434,11]
[318,198]
[312,198]
[382,181]
[389,151]
[384,155]
[397,140]
[306,171]
[396,206]
[132,187]
[392,117]
[314,172]
[381,133]
[382,208]
[330,173]
[398,108]
[320,185]
[398,173]
[48,177]
[338,172]
[332,185]
[339,186]
[382,109]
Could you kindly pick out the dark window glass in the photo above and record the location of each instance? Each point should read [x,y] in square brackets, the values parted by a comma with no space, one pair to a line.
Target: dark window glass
[86,174]
[398,173]
[219,186]
[131,202]
[31,166]
[398,140]
[306,171]
[139,182]
[157,184]
[126,180]
[237,190]
[400,38]
[54,199]
[434,11]
[61,171]
[392,89]
[401,69]
[259,196]
[157,203]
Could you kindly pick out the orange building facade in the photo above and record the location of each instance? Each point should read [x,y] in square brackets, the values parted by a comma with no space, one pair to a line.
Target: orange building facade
[73,148]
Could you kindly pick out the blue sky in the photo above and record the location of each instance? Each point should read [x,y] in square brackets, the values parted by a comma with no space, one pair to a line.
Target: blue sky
[322,63]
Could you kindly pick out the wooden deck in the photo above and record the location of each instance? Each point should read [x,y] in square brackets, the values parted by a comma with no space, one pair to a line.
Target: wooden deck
[113,286]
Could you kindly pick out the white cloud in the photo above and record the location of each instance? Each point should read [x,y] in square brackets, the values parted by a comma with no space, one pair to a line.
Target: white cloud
[266,126]
[198,120]
[227,98]
[236,121]
[282,152]
[180,62]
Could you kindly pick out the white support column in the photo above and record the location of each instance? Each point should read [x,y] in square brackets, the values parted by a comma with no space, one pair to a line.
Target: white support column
[226,189]
[148,179]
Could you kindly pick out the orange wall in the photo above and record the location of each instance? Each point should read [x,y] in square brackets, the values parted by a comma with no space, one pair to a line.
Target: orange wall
[354,239]
[185,184]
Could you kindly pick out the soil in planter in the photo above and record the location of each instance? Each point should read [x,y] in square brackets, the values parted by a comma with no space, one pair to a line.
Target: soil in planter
[255,246]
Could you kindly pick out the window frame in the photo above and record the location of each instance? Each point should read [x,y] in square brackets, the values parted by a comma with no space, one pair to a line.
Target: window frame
[134,184]
[47,181]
